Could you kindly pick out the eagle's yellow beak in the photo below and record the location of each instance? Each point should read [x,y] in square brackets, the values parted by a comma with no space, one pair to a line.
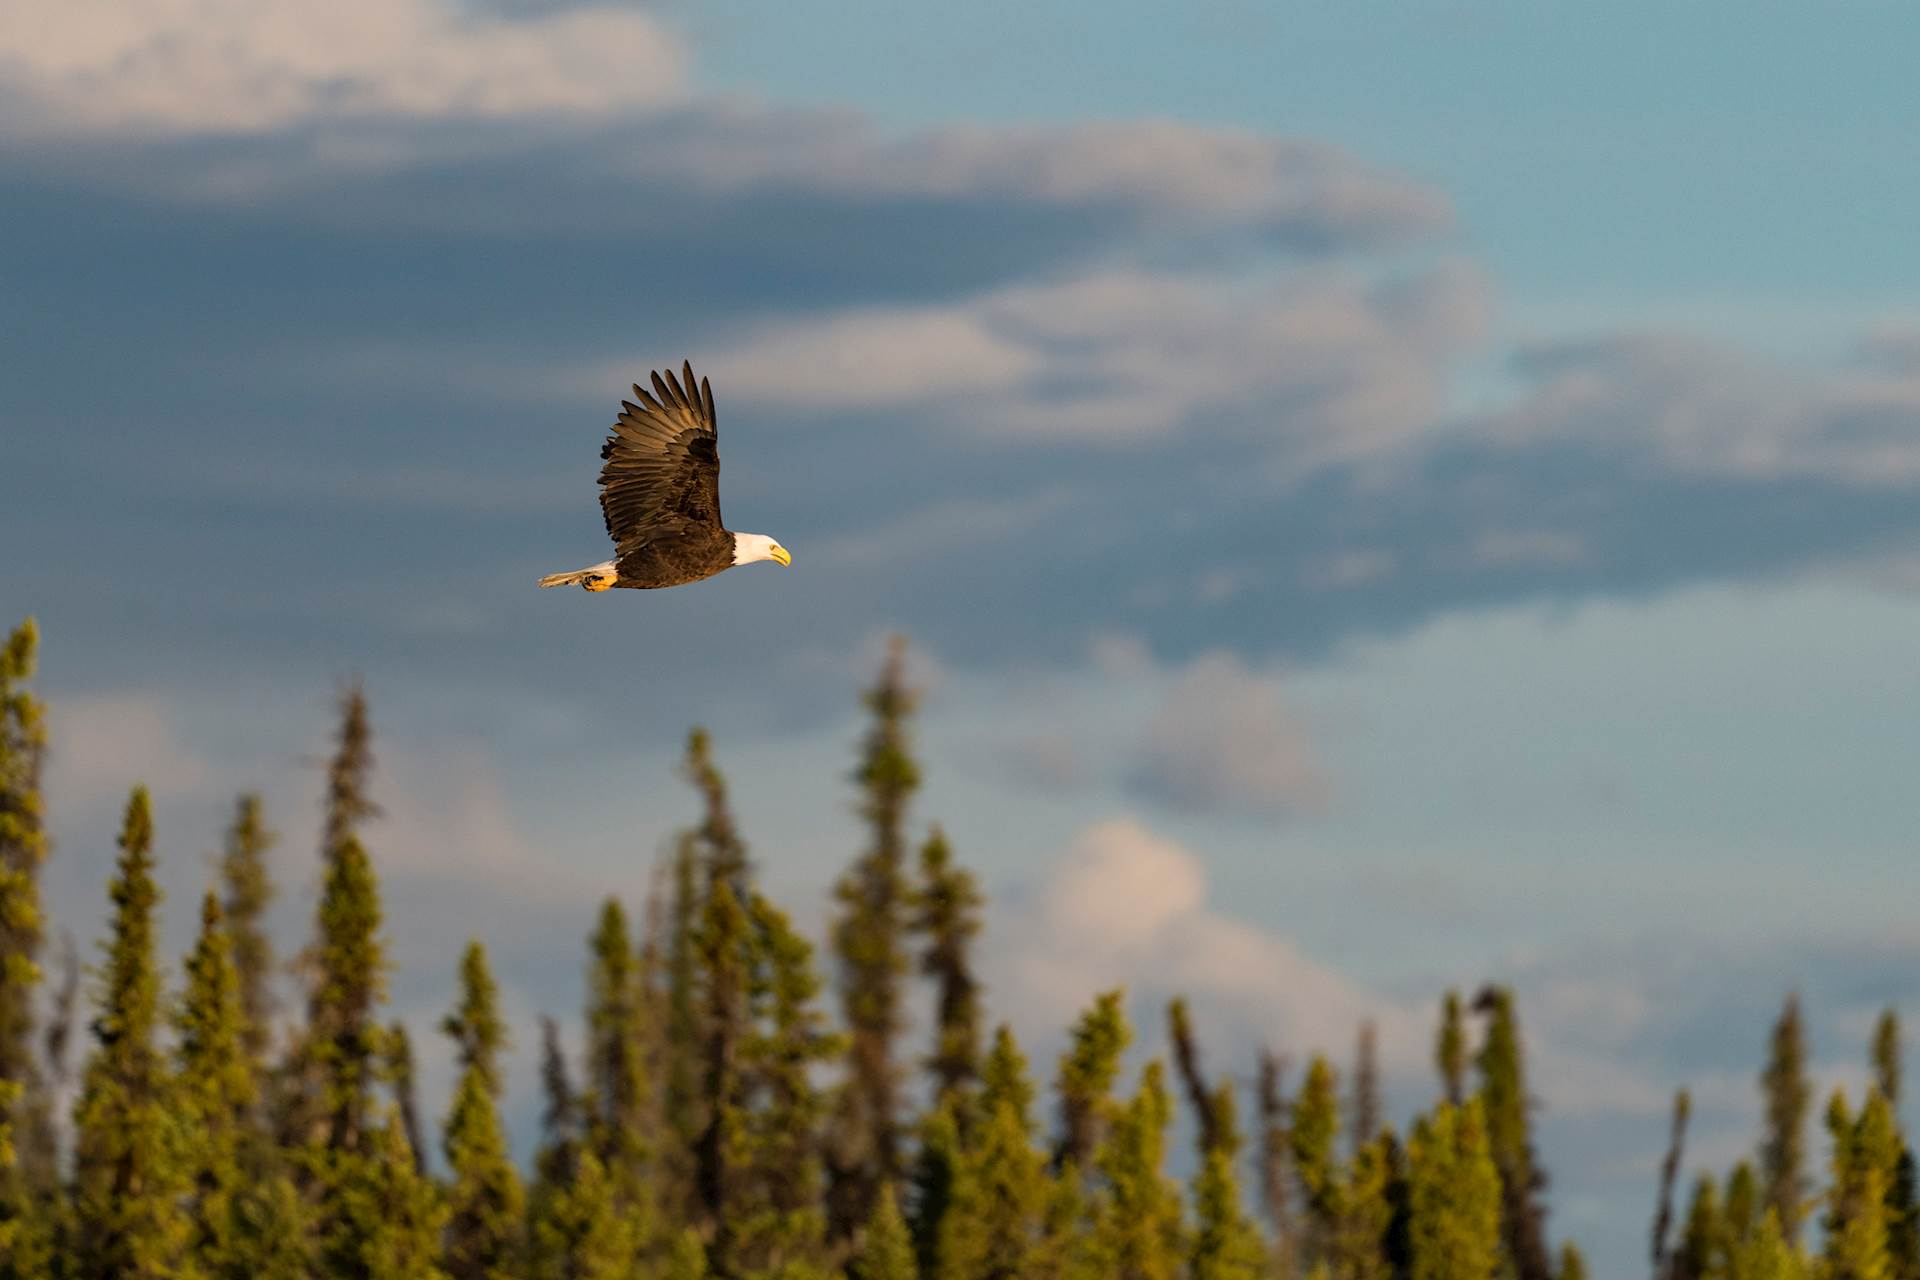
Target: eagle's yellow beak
[779,553]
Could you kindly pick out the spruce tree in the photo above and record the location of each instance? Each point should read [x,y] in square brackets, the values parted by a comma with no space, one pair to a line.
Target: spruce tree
[1314,1129]
[1669,1175]
[400,1077]
[947,915]
[380,1219]
[23,850]
[578,1232]
[678,1046]
[345,1041]
[131,1161]
[617,1102]
[1226,1245]
[1573,1263]
[1503,1095]
[1087,1072]
[248,886]
[1742,1200]
[1137,1228]
[1783,1147]
[217,1095]
[1767,1255]
[1865,1153]
[780,1223]
[1366,1086]
[1453,1197]
[486,1202]
[1450,1050]
[1276,1196]
[322,1094]
[886,1250]
[994,1226]
[721,947]
[1703,1237]
[870,946]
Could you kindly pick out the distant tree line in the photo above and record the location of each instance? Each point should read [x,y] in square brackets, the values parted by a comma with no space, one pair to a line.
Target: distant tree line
[720,1122]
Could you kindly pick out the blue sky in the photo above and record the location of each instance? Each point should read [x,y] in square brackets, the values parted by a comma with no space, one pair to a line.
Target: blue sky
[1381,500]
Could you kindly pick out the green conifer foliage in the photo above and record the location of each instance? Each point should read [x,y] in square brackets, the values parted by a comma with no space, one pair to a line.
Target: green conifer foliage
[379,1218]
[1137,1228]
[679,1064]
[1743,1208]
[1276,1190]
[23,850]
[1703,1237]
[248,886]
[1004,1080]
[406,1097]
[687,1258]
[1767,1255]
[130,1159]
[345,1041]
[1315,1127]
[780,1227]
[578,1233]
[1226,1246]
[617,1099]
[947,907]
[1453,1193]
[1669,1176]
[1573,1263]
[869,945]
[217,1095]
[1503,1095]
[995,1227]
[1783,1147]
[1450,1050]
[486,1202]
[886,1250]
[721,946]
[1087,1072]
[1865,1152]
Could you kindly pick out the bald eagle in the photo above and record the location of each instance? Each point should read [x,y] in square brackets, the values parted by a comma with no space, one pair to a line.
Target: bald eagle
[660,494]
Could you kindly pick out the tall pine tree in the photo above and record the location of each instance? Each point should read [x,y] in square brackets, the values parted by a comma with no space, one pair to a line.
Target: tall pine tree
[131,1166]
[947,915]
[486,1202]
[617,1101]
[248,886]
[1138,1233]
[1508,1106]
[1783,1147]
[1866,1151]
[1453,1197]
[869,942]
[1450,1050]
[23,850]
[1087,1071]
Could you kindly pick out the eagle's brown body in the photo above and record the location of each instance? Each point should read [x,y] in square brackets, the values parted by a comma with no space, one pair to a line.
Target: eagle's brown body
[660,491]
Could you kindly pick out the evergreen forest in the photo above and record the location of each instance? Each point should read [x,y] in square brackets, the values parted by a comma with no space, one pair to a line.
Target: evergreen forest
[747,1106]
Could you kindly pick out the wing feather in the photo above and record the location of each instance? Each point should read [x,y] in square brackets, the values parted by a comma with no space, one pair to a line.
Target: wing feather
[661,478]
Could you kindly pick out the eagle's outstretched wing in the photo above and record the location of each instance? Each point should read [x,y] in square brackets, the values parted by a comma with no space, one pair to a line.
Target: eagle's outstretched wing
[661,481]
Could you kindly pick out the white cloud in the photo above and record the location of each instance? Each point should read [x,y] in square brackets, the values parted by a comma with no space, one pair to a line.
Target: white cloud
[247,66]
[1705,410]
[1323,367]
[1222,738]
[101,746]
[1127,907]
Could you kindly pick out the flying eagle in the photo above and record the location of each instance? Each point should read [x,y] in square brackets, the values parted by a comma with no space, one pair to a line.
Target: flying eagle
[660,493]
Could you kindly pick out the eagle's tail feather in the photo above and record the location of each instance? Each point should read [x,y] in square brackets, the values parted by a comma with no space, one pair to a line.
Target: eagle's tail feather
[597,578]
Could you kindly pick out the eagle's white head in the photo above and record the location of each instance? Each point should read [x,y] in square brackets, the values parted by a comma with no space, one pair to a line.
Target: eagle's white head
[748,547]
